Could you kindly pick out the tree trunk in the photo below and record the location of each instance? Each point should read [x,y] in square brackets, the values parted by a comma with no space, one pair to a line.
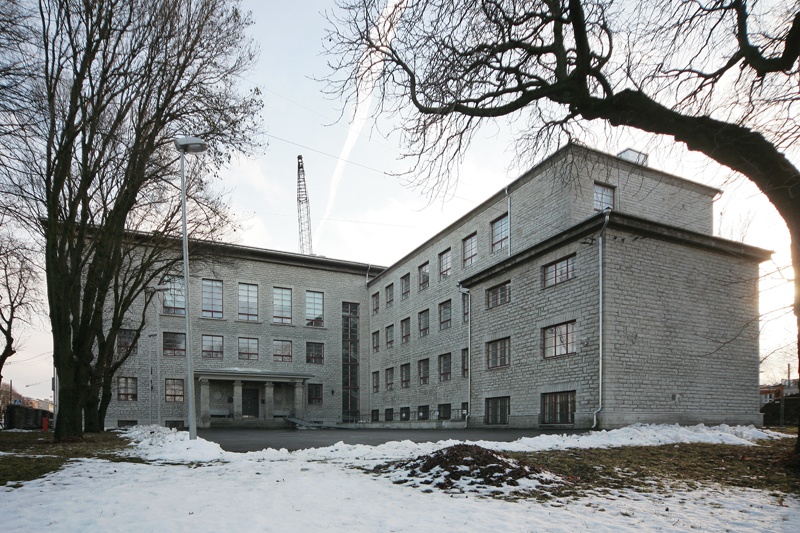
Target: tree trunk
[69,423]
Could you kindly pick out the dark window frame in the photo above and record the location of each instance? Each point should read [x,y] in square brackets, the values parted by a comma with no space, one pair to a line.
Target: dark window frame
[498,353]
[245,351]
[500,233]
[315,357]
[212,298]
[469,249]
[279,351]
[209,347]
[127,389]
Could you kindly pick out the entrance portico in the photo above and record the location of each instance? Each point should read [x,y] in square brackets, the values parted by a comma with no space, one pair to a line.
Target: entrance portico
[250,397]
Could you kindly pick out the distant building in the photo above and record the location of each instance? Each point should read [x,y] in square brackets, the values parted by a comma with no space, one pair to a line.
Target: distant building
[588,292]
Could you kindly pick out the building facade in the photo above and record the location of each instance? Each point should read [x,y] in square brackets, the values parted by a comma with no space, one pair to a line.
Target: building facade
[590,292]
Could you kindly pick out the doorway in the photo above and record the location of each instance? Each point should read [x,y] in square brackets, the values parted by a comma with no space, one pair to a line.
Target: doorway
[250,403]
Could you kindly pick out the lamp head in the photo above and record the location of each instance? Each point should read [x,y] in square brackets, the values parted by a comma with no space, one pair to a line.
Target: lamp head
[191,145]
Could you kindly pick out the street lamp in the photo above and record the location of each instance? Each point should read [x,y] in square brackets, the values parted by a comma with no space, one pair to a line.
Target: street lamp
[188,145]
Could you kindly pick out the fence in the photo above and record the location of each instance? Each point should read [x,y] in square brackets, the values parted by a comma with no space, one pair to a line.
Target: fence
[21,417]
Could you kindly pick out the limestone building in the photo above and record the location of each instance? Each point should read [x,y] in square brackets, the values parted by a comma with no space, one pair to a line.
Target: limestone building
[590,292]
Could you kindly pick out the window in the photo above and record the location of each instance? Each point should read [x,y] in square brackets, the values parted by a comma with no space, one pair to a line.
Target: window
[405,413]
[405,286]
[444,264]
[424,323]
[315,394]
[500,233]
[424,276]
[390,379]
[388,414]
[498,295]
[469,249]
[445,312]
[390,335]
[558,271]
[389,295]
[376,303]
[127,423]
[125,342]
[445,362]
[497,410]
[376,381]
[248,348]
[248,302]
[281,351]
[173,390]
[174,344]
[498,353]
[465,362]
[212,346]
[212,298]
[405,330]
[350,353]
[314,305]
[465,307]
[127,389]
[559,339]
[423,369]
[423,412]
[281,305]
[375,415]
[376,341]
[315,353]
[603,196]
[174,298]
[558,407]
[405,376]
[444,411]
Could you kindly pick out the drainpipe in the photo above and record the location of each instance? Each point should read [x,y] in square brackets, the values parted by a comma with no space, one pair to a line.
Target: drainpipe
[366,281]
[462,290]
[600,317]
[508,208]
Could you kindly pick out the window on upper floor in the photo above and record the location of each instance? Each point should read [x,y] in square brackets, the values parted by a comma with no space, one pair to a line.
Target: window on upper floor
[212,346]
[405,376]
[376,303]
[423,369]
[558,271]
[376,381]
[444,264]
[465,362]
[445,366]
[498,295]
[315,353]
[390,378]
[469,249]
[424,323]
[500,233]
[603,196]
[559,339]
[248,348]
[389,295]
[315,394]
[314,309]
[174,298]
[174,344]
[465,307]
[126,345]
[248,302]
[281,305]
[127,389]
[405,286]
[212,298]
[445,315]
[376,341]
[498,353]
[424,276]
[405,330]
[282,351]
[390,335]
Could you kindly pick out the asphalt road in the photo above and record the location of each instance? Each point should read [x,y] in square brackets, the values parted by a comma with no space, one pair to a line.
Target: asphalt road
[247,440]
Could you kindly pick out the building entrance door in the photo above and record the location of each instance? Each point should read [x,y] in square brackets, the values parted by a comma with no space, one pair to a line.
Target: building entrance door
[250,403]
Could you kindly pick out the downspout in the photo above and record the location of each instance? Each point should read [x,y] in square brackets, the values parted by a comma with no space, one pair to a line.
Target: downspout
[508,209]
[462,290]
[600,317]
[366,280]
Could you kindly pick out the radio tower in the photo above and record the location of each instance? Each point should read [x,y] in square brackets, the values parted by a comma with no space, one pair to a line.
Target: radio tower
[303,210]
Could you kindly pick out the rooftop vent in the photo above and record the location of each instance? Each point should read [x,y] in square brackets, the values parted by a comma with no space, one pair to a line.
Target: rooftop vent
[633,156]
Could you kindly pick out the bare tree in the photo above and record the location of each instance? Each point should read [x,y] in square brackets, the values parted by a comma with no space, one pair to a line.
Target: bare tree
[115,81]
[18,295]
[719,76]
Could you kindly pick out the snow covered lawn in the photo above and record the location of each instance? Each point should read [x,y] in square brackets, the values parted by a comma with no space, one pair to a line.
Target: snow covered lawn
[196,486]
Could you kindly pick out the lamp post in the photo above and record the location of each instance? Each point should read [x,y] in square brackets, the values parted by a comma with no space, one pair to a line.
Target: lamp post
[188,145]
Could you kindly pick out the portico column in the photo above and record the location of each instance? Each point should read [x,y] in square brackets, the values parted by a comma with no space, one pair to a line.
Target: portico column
[269,394]
[299,411]
[237,400]
[205,404]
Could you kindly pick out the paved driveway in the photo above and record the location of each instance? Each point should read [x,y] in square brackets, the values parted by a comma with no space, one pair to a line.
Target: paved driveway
[246,440]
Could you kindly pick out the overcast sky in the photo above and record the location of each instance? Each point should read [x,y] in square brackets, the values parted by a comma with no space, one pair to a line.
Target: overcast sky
[361,213]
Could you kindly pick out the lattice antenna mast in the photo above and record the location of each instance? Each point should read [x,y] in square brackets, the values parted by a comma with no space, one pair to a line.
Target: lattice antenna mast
[303,209]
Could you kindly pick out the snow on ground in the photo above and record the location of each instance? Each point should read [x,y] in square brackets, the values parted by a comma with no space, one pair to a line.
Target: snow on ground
[196,486]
